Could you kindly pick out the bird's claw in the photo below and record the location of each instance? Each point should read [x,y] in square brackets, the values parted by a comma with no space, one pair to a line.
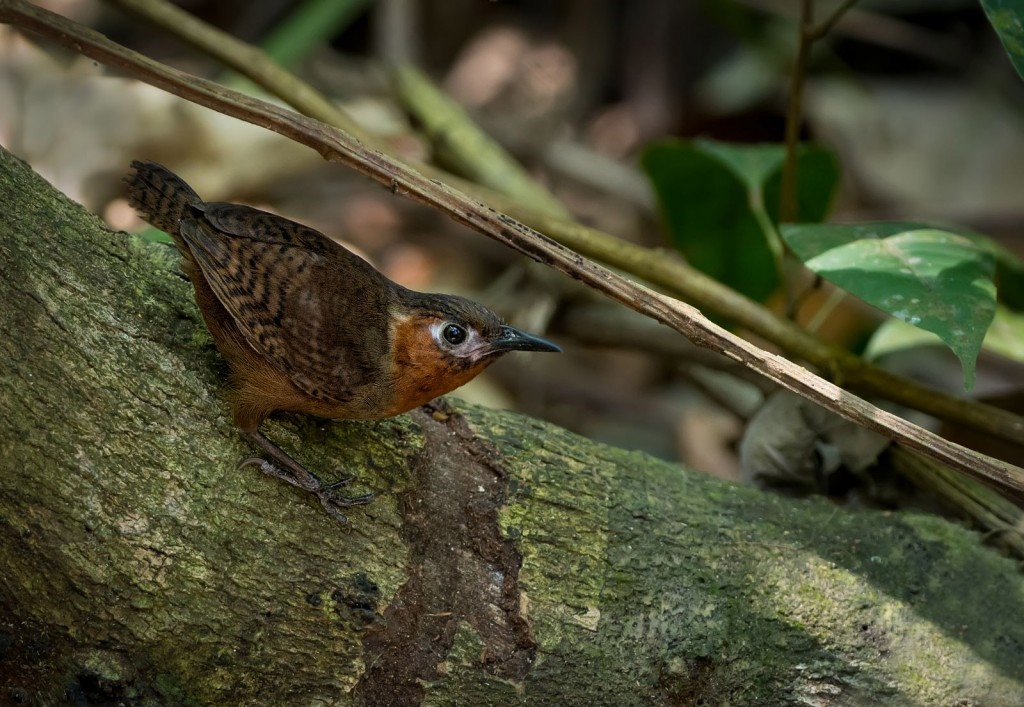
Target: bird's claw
[266,467]
[331,501]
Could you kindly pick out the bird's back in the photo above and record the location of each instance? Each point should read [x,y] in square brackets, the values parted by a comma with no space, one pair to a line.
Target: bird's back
[308,308]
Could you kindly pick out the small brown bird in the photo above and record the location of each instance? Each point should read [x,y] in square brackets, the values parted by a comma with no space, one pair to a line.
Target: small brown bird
[307,326]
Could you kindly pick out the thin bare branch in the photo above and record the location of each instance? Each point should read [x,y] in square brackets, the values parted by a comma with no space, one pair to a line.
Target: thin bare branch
[671,274]
[338,146]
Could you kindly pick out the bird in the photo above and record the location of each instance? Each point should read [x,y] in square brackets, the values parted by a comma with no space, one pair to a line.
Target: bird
[307,326]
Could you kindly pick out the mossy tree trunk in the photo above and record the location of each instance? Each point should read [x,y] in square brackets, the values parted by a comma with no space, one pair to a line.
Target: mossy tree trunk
[504,562]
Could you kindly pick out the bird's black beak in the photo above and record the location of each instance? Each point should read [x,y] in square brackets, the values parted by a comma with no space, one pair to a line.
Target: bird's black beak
[512,339]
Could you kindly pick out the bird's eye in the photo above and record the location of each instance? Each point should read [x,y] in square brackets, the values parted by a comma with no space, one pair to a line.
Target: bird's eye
[453,334]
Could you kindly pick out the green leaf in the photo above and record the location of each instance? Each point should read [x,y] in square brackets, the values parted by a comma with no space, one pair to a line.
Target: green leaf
[706,210]
[809,242]
[760,169]
[719,200]
[818,179]
[308,26]
[1007,18]
[1009,270]
[753,164]
[154,235]
[936,280]
[1004,337]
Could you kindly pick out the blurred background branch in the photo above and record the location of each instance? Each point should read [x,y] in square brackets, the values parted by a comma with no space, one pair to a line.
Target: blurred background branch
[526,111]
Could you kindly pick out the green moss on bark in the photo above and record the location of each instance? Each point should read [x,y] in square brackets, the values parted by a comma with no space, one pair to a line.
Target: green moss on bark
[141,566]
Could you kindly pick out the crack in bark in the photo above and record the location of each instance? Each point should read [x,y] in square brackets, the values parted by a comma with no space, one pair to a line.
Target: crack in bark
[462,571]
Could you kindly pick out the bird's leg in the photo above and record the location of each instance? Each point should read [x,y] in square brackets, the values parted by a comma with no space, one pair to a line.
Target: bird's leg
[294,473]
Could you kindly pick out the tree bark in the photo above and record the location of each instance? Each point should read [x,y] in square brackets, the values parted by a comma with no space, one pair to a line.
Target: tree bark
[504,561]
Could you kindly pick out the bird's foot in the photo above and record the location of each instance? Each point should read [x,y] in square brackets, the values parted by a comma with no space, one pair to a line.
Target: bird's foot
[329,499]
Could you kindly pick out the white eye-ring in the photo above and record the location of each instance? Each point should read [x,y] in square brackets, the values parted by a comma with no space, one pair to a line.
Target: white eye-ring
[454,336]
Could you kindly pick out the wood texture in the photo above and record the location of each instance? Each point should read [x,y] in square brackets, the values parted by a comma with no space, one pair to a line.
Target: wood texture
[504,562]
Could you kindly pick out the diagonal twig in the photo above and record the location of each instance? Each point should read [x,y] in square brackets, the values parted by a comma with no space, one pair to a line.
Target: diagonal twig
[671,275]
[338,146]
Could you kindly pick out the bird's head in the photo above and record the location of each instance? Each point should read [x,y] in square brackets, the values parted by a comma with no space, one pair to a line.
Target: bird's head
[440,342]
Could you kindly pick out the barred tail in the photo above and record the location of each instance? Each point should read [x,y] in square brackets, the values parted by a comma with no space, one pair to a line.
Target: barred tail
[160,196]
